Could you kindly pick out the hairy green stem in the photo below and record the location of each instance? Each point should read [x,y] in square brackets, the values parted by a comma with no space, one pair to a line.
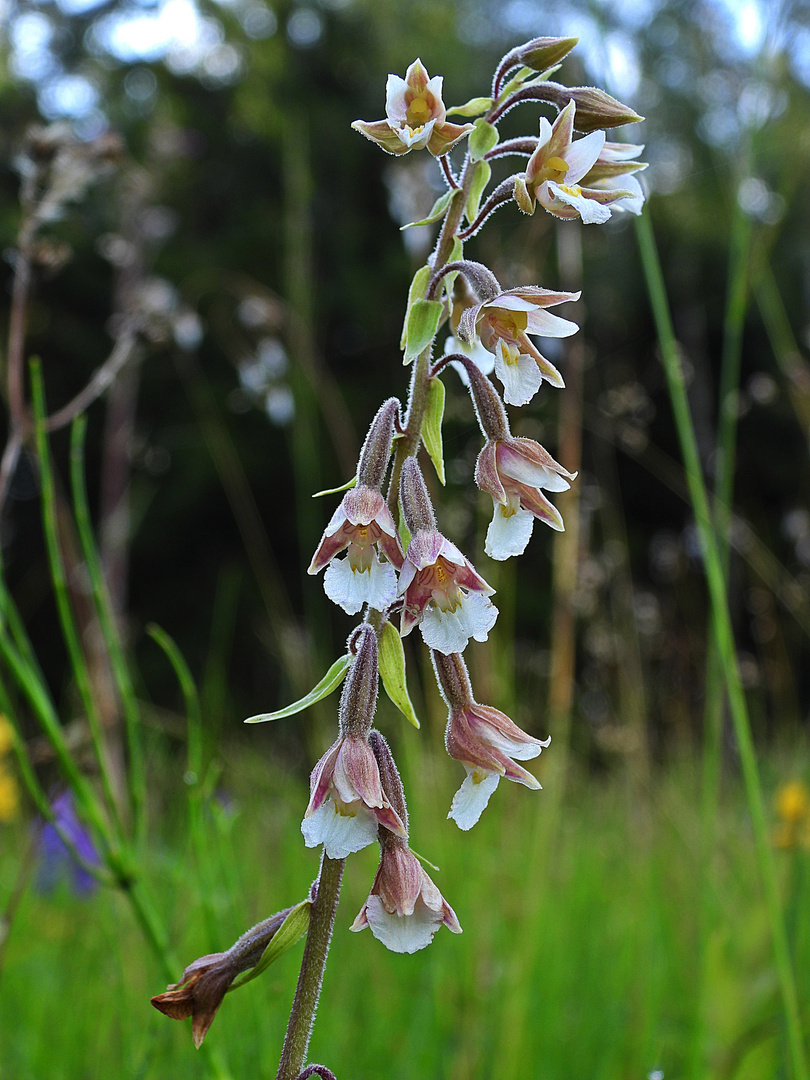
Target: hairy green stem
[313,963]
[721,623]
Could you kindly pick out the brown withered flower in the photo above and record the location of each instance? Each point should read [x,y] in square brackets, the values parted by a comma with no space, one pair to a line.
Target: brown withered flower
[206,981]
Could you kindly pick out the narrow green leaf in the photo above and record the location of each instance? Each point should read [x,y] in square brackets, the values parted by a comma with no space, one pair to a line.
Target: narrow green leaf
[291,931]
[474,107]
[480,179]
[432,427]
[483,139]
[423,322]
[334,677]
[392,672]
[439,207]
[421,280]
[336,491]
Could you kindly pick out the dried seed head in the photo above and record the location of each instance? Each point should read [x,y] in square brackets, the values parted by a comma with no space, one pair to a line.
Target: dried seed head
[358,700]
[414,498]
[376,450]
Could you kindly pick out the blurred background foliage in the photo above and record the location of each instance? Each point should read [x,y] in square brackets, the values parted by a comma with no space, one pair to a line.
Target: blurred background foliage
[257,240]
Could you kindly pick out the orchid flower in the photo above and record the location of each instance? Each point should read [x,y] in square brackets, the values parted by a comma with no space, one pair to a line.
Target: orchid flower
[556,168]
[415,116]
[503,325]
[514,471]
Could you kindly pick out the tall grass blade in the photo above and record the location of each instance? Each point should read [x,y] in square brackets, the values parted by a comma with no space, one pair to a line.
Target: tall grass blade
[721,623]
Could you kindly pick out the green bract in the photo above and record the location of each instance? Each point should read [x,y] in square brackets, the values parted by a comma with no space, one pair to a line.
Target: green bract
[483,139]
[291,931]
[474,107]
[421,327]
[432,427]
[392,672]
[438,210]
[481,178]
[332,679]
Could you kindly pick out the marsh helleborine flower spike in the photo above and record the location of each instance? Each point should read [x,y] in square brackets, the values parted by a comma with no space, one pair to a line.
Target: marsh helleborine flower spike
[556,168]
[442,591]
[347,802]
[404,908]
[484,740]
[503,325]
[363,524]
[415,116]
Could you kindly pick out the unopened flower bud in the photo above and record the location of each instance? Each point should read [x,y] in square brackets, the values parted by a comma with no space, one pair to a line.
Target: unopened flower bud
[376,452]
[358,700]
[414,498]
[539,54]
[389,776]
[595,108]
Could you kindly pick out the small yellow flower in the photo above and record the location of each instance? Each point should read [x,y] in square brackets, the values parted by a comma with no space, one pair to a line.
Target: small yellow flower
[792,802]
[9,797]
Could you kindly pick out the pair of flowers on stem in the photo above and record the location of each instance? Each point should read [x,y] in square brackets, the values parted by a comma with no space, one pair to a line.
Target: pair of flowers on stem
[356,795]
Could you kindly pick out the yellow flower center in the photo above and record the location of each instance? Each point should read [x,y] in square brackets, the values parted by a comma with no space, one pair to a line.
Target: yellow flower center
[418,113]
[553,169]
[574,190]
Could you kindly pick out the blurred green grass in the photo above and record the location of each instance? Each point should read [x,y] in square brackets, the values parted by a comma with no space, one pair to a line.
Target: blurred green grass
[579,959]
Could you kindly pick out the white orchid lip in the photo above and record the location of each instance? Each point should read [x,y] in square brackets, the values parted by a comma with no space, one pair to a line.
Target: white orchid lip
[404,908]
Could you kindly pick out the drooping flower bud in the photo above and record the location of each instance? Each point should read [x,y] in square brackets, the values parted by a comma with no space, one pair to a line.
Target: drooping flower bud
[540,54]
[595,108]
[204,983]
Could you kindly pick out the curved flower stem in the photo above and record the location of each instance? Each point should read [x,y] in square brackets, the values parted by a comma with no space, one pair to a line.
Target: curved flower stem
[313,962]
[447,169]
[502,194]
